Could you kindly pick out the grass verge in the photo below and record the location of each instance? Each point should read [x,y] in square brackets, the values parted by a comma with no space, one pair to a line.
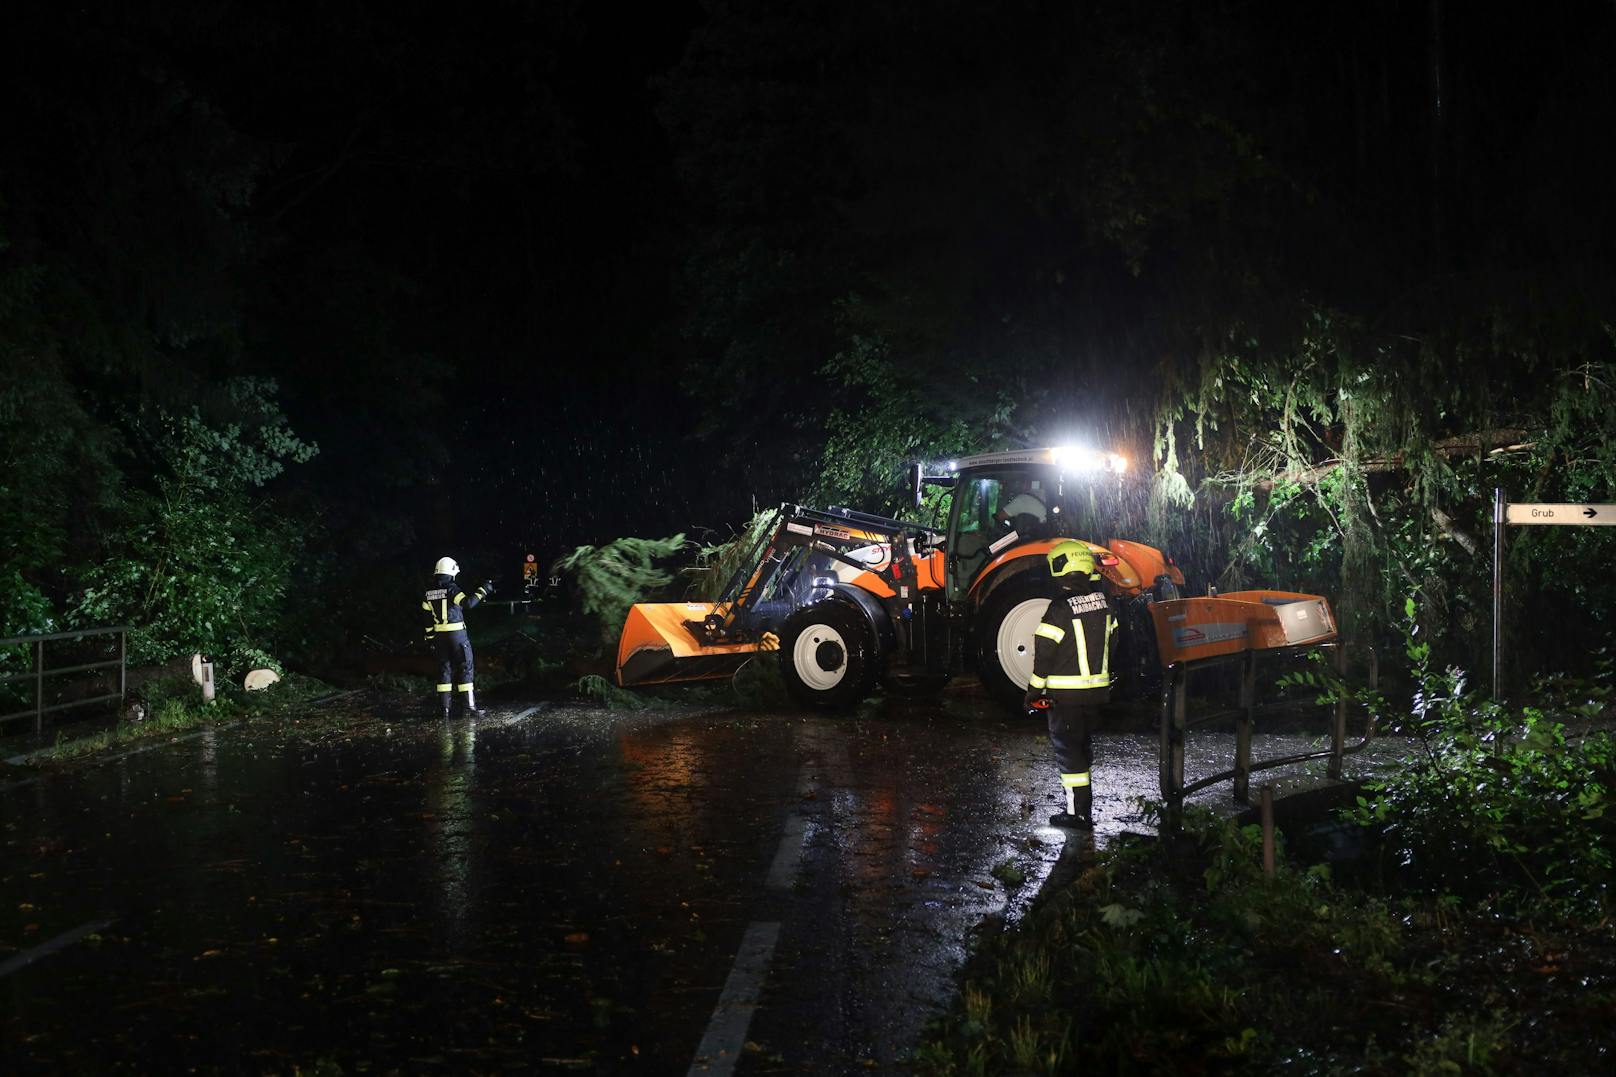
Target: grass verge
[1182,956]
[174,707]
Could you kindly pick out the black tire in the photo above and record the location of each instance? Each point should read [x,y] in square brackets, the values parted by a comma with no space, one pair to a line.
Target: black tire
[829,657]
[1136,660]
[1022,602]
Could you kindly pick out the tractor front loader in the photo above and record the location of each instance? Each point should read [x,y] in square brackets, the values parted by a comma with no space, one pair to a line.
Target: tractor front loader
[844,596]
[850,600]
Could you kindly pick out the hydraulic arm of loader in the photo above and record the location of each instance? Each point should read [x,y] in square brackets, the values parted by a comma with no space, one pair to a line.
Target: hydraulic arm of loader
[831,532]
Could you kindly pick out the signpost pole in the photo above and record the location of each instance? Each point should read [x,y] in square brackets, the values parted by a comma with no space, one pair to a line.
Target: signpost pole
[1498,586]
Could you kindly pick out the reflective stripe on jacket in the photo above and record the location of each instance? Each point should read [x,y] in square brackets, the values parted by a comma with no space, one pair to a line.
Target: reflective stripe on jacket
[1072,648]
[444,606]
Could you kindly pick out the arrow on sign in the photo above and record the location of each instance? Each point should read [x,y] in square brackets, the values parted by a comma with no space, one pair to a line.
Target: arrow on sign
[1590,513]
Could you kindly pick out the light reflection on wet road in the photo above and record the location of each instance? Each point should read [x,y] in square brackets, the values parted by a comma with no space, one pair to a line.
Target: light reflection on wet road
[564,892]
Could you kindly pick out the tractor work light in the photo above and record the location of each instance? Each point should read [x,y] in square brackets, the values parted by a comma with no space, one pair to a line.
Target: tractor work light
[1078,460]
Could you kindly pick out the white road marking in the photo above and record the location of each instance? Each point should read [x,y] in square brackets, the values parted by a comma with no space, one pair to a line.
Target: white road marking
[45,949]
[783,872]
[726,1032]
[524,714]
[721,1047]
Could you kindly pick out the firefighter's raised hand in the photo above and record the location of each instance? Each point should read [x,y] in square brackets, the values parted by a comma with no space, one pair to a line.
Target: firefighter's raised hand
[488,588]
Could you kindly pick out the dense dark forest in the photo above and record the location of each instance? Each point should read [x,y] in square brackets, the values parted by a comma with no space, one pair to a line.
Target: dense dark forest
[293,299]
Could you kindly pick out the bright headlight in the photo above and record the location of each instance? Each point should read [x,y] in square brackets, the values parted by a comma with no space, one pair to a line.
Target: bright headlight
[1072,458]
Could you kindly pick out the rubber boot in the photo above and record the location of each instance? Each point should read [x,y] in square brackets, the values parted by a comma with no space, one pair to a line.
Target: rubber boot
[1078,814]
[445,703]
[470,709]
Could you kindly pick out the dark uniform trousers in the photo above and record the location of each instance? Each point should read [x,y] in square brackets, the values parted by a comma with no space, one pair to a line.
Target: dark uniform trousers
[444,606]
[454,661]
[1071,734]
[1072,665]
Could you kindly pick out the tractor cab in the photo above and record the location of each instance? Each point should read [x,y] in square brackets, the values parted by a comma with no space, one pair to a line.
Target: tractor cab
[998,500]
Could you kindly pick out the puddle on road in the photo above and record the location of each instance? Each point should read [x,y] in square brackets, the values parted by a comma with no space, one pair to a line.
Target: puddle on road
[562,892]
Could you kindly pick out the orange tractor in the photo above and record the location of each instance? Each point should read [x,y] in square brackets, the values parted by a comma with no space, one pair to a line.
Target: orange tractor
[851,600]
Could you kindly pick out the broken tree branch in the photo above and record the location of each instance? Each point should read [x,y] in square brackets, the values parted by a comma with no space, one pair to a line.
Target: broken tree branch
[1490,442]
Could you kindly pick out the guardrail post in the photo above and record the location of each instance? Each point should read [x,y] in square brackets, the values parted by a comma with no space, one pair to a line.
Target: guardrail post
[1164,752]
[39,687]
[1180,692]
[1172,744]
[1338,725]
[1268,830]
[1243,727]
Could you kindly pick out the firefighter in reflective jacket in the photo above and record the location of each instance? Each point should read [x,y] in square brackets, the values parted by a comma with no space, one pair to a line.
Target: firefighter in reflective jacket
[444,610]
[1071,673]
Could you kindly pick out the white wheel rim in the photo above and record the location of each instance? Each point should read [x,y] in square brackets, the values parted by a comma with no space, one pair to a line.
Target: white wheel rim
[1016,639]
[805,657]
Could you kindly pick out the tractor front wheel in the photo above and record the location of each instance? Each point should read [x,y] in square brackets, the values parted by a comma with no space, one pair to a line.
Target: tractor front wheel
[1004,637]
[828,656]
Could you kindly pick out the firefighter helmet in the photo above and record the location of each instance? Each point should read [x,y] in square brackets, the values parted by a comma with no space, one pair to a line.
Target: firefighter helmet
[446,566]
[1072,557]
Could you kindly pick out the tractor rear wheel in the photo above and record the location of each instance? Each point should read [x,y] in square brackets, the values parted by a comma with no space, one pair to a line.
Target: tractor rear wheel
[1004,637]
[829,656]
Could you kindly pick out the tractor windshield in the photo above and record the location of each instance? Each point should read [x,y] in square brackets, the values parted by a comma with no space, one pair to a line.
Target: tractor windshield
[988,505]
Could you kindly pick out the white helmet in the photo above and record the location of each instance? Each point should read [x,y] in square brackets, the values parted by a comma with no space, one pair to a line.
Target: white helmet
[446,567]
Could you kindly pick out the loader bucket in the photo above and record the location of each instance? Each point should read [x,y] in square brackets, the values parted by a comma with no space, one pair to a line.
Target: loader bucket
[657,648]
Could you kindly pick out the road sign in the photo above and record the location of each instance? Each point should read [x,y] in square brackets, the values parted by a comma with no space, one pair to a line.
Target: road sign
[1561,515]
[1553,515]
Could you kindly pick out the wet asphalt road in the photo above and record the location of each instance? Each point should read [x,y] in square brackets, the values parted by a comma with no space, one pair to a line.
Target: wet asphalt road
[566,889]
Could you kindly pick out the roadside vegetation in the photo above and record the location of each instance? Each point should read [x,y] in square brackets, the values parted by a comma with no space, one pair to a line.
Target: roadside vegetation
[1472,932]
[173,705]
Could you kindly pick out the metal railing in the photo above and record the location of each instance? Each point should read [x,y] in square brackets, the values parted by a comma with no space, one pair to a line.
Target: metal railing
[40,672]
[1176,722]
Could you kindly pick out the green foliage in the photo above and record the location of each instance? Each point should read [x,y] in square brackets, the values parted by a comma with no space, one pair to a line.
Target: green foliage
[892,415]
[759,685]
[611,578]
[174,704]
[167,717]
[594,687]
[55,459]
[1179,955]
[717,562]
[244,658]
[27,611]
[199,563]
[1163,957]
[1466,1043]
[1361,464]
[248,444]
[1008,873]
[1512,805]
